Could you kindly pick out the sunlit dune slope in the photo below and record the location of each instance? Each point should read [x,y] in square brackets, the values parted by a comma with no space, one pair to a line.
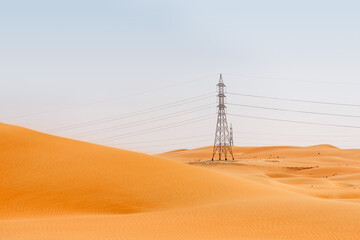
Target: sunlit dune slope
[47,175]
[322,171]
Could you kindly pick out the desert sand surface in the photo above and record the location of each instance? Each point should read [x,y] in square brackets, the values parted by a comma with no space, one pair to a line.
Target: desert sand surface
[57,188]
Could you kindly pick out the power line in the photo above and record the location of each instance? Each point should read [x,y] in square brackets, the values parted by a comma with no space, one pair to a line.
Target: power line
[256,140]
[247,138]
[295,111]
[172,144]
[295,100]
[256,145]
[154,129]
[146,121]
[133,114]
[299,140]
[165,140]
[109,100]
[186,122]
[164,145]
[291,121]
[301,135]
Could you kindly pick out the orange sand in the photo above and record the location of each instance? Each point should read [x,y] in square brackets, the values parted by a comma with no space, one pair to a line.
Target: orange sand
[56,188]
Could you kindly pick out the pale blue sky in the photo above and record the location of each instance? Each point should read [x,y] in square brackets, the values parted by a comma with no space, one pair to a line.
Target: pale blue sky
[58,56]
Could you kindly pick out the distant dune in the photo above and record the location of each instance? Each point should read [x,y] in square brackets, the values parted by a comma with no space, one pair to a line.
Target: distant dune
[57,188]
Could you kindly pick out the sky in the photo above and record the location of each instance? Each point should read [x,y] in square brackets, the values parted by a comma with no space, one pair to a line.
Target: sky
[78,69]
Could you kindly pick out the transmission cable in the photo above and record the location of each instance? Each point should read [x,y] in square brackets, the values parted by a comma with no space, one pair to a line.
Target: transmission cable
[146,121]
[128,115]
[295,111]
[113,99]
[154,129]
[295,100]
[299,135]
[164,145]
[299,140]
[291,121]
[165,140]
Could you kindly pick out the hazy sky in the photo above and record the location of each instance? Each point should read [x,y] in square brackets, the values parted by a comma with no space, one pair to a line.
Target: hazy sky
[71,62]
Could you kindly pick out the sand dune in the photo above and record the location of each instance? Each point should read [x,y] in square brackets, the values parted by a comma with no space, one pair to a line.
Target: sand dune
[56,188]
[46,175]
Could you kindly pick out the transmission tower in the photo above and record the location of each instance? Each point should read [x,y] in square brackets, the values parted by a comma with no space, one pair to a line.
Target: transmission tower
[222,145]
[231,136]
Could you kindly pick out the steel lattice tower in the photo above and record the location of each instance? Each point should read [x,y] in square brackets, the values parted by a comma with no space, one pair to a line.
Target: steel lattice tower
[231,136]
[222,145]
